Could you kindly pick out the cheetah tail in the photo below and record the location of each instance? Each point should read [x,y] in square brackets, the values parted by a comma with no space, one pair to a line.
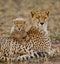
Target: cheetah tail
[34,55]
[23,57]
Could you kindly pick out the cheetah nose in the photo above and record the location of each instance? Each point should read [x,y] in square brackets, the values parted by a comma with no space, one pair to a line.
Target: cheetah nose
[19,28]
[41,23]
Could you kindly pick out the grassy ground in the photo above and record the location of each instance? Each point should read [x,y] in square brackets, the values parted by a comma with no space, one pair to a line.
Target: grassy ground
[10,9]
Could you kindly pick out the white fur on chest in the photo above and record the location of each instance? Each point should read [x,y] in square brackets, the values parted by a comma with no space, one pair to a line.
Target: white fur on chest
[12,29]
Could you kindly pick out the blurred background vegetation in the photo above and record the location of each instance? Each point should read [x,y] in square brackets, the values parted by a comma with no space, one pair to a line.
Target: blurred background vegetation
[10,9]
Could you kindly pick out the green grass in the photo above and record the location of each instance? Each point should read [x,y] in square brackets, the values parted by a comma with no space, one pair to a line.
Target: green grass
[56,38]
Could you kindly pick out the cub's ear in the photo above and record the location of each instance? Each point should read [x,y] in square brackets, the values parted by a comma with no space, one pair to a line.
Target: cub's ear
[32,13]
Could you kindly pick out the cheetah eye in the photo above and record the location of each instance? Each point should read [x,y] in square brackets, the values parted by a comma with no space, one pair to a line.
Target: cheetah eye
[17,25]
[45,17]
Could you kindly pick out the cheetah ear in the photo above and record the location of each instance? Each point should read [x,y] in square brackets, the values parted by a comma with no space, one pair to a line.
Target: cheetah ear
[47,12]
[32,13]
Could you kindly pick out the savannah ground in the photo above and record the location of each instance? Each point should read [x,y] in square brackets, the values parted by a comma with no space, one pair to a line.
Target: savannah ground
[11,9]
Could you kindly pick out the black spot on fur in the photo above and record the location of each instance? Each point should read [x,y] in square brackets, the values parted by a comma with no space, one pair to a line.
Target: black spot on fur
[31,57]
[43,54]
[18,59]
[23,58]
[27,58]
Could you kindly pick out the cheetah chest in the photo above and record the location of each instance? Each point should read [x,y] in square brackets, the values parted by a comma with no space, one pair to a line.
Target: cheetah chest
[39,40]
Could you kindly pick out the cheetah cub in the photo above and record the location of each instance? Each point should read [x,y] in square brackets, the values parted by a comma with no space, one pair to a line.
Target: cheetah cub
[19,29]
[12,46]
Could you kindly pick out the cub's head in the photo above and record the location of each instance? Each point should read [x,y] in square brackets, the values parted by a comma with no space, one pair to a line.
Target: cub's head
[19,24]
[40,19]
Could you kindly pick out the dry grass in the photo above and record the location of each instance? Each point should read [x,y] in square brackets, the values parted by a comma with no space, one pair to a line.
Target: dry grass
[10,9]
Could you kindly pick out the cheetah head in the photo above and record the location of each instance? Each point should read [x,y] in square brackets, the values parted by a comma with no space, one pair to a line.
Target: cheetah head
[39,19]
[19,24]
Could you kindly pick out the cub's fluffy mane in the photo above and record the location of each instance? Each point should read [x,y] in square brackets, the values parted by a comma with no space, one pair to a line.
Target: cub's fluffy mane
[20,19]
